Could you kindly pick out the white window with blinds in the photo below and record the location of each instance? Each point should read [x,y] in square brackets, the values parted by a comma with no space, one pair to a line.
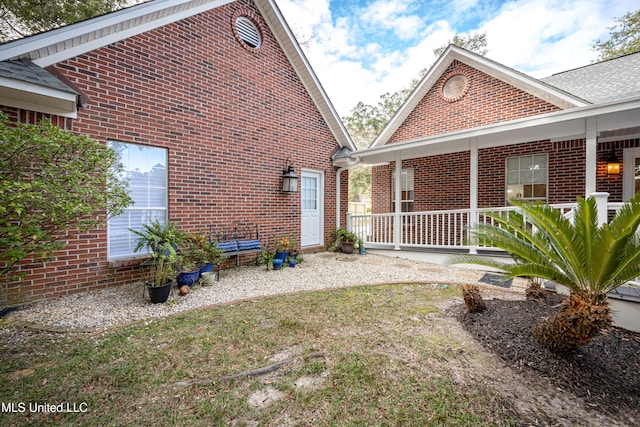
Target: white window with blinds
[146,170]
[527,177]
[406,191]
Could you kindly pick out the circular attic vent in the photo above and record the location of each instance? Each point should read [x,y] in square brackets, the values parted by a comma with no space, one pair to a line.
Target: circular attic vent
[248,32]
[455,87]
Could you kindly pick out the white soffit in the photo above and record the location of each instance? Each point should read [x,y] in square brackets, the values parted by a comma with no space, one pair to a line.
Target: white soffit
[57,45]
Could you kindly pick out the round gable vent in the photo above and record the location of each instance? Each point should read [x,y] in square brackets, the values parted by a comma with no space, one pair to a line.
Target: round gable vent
[454,87]
[248,32]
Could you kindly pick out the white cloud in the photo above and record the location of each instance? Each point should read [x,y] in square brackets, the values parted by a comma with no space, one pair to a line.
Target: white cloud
[544,37]
[395,15]
[354,63]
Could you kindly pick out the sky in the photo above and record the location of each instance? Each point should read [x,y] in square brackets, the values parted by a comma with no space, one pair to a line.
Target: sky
[361,49]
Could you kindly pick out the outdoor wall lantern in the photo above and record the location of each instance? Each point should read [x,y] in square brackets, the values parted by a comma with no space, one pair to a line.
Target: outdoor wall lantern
[613,164]
[289,179]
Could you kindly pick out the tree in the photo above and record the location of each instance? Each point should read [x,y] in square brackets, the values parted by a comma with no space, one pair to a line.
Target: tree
[589,259]
[359,183]
[19,18]
[621,41]
[52,182]
[476,42]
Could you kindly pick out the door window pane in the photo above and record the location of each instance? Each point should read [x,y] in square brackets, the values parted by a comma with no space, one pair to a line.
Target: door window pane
[309,193]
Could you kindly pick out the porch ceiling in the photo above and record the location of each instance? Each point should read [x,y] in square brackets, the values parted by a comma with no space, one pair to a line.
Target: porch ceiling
[615,118]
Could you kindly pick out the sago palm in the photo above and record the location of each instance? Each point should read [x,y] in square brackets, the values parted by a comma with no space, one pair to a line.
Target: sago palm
[589,259]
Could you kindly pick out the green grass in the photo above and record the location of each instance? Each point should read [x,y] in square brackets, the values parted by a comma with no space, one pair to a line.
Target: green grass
[390,359]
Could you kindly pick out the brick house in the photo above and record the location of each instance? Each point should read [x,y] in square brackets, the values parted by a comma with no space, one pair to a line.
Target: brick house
[474,134]
[208,101]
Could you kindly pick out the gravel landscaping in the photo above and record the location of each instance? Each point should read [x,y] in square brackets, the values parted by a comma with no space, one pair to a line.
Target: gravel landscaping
[326,270]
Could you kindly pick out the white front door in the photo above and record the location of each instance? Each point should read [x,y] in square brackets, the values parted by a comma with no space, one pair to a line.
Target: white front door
[311,190]
[630,172]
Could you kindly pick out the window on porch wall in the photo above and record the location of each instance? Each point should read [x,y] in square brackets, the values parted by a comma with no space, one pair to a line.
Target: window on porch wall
[527,178]
[406,188]
[146,170]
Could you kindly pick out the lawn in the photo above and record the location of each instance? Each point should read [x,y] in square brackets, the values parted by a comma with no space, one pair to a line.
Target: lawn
[383,355]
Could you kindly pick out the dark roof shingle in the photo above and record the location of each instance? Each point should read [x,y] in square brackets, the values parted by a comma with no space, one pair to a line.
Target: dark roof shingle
[610,80]
[26,71]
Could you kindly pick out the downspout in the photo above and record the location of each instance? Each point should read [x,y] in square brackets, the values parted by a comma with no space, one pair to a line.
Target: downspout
[338,172]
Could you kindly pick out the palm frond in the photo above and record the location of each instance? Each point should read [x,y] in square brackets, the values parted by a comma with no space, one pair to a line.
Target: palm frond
[478,260]
[561,236]
[586,224]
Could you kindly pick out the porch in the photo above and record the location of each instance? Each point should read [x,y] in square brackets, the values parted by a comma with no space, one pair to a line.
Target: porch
[443,229]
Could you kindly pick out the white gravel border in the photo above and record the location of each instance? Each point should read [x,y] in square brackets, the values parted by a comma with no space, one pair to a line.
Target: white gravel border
[124,304]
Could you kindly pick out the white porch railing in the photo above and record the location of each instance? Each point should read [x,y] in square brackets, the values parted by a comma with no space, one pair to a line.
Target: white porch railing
[442,229]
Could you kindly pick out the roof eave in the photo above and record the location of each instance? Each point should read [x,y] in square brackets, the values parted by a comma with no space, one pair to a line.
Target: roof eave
[30,96]
[54,46]
[511,132]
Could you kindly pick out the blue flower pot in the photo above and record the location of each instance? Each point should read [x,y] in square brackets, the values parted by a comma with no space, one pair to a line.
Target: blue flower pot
[281,255]
[292,263]
[277,263]
[188,278]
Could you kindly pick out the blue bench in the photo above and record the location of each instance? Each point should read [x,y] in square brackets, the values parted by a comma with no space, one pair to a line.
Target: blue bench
[237,240]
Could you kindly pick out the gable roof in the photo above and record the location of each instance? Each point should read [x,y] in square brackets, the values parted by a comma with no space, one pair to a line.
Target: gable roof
[57,45]
[537,88]
[603,81]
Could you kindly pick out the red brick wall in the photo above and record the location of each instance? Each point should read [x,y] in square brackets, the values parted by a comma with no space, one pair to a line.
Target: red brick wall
[487,101]
[566,161]
[381,188]
[32,117]
[229,117]
[429,174]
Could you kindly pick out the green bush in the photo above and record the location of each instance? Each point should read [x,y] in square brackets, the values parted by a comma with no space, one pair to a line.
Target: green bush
[53,183]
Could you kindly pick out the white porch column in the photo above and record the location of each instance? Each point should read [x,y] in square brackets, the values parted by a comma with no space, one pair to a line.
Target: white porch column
[591,156]
[601,206]
[397,219]
[473,187]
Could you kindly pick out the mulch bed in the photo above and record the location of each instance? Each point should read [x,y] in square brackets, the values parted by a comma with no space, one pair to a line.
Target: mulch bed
[605,373]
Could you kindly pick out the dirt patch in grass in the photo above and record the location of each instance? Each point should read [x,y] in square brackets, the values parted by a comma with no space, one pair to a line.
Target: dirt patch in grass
[600,379]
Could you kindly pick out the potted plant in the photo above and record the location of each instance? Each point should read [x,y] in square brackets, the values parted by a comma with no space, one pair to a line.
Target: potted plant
[345,241]
[285,246]
[266,258]
[199,253]
[164,272]
[188,271]
[156,236]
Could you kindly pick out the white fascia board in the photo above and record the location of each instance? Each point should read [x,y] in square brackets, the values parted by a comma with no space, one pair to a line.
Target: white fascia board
[520,80]
[287,41]
[67,42]
[19,94]
[572,122]
[413,99]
